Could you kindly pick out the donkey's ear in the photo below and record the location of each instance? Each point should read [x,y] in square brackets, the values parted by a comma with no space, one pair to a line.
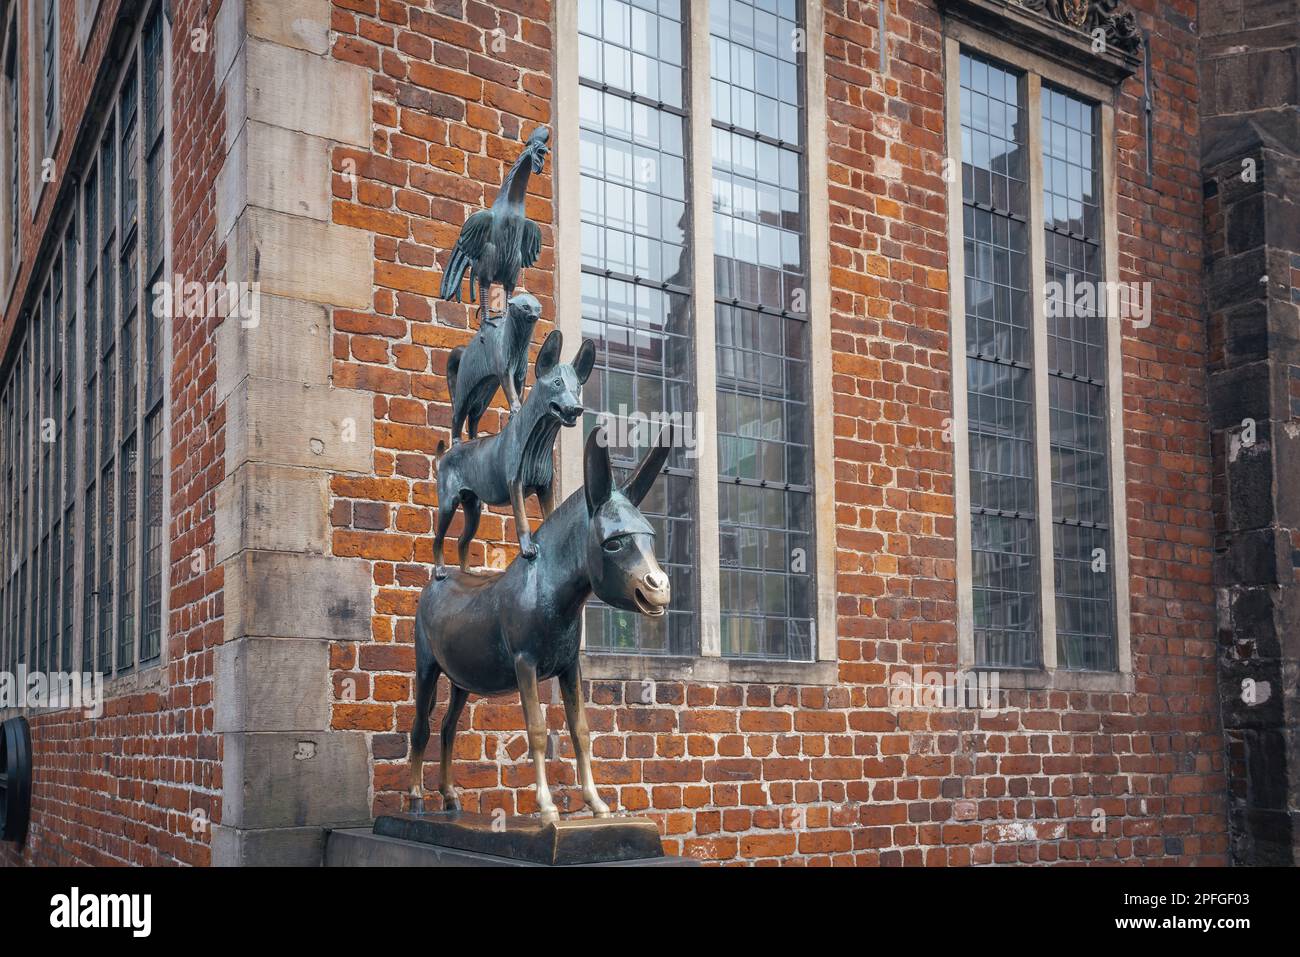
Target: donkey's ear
[582,365]
[598,479]
[644,478]
[550,353]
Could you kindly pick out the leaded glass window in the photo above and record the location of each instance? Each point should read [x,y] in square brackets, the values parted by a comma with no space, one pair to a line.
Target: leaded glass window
[639,295]
[1076,347]
[636,301]
[1036,372]
[83,392]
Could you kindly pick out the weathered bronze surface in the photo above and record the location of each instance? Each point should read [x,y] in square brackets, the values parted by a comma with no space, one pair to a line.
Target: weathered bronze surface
[496,357]
[497,632]
[516,462]
[500,632]
[571,841]
[496,244]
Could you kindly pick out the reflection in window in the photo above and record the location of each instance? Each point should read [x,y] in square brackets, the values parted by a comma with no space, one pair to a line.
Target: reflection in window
[999,350]
[1076,345]
[75,388]
[760,320]
[636,281]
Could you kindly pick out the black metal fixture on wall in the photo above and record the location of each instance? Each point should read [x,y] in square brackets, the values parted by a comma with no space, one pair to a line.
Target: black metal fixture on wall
[15,780]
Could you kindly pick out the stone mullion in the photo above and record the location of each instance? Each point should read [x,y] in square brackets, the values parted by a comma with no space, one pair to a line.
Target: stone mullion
[702,313]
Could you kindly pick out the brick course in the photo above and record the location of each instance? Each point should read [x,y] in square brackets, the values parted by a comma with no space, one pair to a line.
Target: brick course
[733,773]
[141,784]
[808,775]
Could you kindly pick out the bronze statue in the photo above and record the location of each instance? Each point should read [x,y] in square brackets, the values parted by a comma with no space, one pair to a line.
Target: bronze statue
[497,356]
[495,633]
[496,244]
[516,462]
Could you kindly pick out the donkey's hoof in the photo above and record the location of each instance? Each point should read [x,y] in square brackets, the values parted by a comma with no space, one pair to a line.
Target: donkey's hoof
[529,551]
[417,803]
[440,572]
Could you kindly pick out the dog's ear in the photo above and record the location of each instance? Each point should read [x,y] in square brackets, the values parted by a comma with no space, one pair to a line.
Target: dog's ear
[598,476]
[586,360]
[549,354]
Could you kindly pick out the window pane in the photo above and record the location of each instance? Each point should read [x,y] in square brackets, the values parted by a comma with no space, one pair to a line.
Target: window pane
[761,332]
[636,281]
[1076,320]
[643,348]
[999,376]
[153,545]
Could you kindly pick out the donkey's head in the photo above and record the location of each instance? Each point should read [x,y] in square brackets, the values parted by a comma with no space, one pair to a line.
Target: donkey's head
[558,389]
[620,542]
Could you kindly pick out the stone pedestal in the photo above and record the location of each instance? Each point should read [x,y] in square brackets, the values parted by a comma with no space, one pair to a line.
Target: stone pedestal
[466,840]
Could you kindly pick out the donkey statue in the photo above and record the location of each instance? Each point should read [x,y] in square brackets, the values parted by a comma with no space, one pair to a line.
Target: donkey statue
[501,632]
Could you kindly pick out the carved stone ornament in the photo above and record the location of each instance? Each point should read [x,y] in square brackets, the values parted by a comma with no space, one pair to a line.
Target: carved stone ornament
[1094,38]
[1120,28]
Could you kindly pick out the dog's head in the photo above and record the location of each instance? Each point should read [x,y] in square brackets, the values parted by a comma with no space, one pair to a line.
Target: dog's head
[558,388]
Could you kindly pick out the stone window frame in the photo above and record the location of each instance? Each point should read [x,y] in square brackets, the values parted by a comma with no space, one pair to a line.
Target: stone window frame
[151,673]
[707,663]
[87,11]
[44,137]
[11,57]
[1037,69]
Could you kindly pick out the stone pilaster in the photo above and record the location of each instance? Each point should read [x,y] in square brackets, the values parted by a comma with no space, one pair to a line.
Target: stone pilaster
[286,775]
[1250,71]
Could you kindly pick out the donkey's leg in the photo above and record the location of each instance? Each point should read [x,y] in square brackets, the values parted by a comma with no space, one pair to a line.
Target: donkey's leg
[450,802]
[446,512]
[426,694]
[575,713]
[535,719]
[473,510]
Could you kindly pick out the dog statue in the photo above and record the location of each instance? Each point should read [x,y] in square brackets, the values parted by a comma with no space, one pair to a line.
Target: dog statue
[496,356]
[516,462]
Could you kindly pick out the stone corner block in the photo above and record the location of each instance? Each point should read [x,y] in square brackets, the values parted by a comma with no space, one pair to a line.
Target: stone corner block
[277,169]
[279,594]
[302,24]
[312,94]
[271,684]
[299,423]
[271,508]
[287,339]
[301,258]
[295,779]
[268,847]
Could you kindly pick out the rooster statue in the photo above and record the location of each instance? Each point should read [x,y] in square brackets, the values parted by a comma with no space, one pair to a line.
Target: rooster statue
[495,244]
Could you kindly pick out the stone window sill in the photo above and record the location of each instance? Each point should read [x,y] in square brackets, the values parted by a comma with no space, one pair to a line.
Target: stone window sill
[1058,679]
[598,666]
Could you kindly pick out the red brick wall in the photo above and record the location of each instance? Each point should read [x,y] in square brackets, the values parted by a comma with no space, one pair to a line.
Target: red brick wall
[728,770]
[141,784]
